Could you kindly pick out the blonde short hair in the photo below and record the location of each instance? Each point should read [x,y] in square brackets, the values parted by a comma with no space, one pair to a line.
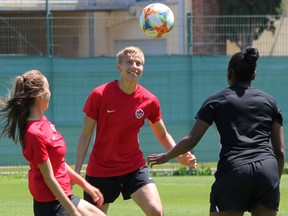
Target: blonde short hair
[128,51]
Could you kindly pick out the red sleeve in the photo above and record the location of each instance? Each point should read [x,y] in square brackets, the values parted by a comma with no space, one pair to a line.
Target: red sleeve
[36,149]
[91,107]
[155,112]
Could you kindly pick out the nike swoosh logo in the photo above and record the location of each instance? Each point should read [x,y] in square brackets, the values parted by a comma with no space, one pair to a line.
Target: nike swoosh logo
[110,111]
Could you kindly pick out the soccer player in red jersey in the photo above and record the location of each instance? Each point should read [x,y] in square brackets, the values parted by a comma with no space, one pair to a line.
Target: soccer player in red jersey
[23,120]
[118,109]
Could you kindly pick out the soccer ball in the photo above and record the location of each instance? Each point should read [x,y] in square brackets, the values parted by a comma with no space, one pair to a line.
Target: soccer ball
[156,20]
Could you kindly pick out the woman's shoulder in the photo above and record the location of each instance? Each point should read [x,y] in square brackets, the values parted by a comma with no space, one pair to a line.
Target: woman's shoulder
[219,94]
[261,93]
[36,127]
[105,86]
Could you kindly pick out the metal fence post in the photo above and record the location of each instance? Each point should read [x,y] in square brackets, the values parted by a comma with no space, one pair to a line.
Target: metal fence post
[189,34]
[49,32]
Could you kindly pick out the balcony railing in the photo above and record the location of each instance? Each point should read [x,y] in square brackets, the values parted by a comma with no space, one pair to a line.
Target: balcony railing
[39,5]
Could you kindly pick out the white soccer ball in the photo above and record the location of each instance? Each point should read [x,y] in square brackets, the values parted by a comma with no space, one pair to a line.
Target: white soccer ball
[156,20]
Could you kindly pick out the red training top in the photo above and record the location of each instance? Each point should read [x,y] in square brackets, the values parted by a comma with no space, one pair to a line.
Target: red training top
[43,142]
[119,118]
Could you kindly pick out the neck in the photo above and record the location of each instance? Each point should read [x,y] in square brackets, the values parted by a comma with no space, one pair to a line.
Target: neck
[241,84]
[127,87]
[35,113]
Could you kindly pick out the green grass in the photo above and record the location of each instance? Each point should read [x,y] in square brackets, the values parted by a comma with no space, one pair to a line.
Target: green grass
[181,196]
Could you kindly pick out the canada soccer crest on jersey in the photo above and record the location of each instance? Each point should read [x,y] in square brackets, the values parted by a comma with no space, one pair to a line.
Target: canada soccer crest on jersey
[139,113]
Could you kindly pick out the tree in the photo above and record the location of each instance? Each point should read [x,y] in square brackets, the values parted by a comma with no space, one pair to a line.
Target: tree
[245,20]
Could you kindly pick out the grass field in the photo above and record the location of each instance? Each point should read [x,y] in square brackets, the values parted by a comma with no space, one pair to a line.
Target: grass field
[181,196]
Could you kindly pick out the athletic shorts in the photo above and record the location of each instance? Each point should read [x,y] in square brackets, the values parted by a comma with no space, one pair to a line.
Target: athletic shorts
[247,186]
[127,184]
[53,208]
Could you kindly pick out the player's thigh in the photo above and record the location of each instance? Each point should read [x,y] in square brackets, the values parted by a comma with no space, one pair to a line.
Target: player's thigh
[147,197]
[107,186]
[86,208]
[263,211]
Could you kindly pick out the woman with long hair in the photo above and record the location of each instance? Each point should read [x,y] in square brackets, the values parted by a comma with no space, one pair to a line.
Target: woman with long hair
[22,119]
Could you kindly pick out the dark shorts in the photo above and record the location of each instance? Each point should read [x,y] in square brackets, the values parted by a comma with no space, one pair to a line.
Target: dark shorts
[53,208]
[111,187]
[247,186]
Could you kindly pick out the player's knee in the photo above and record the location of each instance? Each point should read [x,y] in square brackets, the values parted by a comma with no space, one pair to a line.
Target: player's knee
[156,211]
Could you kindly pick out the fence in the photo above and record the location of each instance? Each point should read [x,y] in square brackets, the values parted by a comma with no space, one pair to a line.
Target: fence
[89,34]
[181,83]
[28,5]
[181,73]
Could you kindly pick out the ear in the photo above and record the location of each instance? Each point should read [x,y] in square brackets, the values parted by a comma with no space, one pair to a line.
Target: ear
[229,74]
[39,97]
[253,76]
[118,66]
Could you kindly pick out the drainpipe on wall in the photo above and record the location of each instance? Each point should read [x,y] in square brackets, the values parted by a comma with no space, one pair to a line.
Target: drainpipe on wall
[181,17]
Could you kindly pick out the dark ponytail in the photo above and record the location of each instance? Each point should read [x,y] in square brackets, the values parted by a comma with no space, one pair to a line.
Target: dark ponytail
[243,64]
[15,111]
[251,55]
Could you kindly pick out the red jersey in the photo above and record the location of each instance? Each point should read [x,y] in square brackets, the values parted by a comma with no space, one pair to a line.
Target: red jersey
[119,118]
[42,142]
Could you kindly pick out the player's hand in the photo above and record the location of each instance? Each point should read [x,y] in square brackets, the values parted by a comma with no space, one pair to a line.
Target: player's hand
[154,159]
[187,159]
[95,193]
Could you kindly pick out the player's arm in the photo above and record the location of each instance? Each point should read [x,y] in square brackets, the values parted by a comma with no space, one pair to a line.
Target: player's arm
[79,180]
[184,145]
[84,141]
[163,135]
[277,140]
[167,141]
[54,186]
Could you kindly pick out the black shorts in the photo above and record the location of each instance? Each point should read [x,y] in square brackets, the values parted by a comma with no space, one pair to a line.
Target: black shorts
[111,187]
[53,208]
[247,186]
